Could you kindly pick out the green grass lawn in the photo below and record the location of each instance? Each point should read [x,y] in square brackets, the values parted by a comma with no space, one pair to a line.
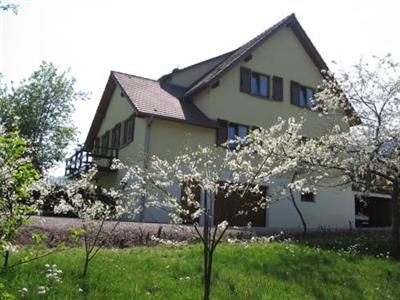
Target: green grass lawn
[259,271]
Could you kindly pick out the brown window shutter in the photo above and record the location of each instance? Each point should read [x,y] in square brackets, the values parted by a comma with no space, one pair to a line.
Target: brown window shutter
[245,80]
[222,132]
[131,129]
[125,132]
[115,137]
[96,146]
[117,141]
[294,92]
[277,88]
[105,143]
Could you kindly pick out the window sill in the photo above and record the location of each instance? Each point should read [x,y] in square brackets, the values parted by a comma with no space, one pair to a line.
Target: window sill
[303,107]
[263,97]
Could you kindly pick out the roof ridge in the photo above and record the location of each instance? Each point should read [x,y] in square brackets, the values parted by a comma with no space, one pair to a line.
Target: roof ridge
[198,63]
[137,76]
[239,53]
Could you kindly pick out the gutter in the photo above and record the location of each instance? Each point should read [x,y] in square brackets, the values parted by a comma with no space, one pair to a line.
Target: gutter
[149,122]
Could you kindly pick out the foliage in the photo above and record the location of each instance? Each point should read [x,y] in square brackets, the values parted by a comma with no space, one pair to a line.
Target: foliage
[256,162]
[94,206]
[43,103]
[372,92]
[250,271]
[17,176]
[368,155]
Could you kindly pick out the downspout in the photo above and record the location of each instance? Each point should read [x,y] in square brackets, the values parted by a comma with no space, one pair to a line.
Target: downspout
[147,137]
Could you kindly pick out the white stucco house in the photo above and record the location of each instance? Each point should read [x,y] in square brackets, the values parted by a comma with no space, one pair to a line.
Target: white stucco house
[274,74]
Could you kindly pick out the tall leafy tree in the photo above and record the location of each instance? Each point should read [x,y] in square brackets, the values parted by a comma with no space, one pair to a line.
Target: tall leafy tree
[43,105]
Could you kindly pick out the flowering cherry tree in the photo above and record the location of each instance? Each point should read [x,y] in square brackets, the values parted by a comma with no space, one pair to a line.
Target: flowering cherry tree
[255,162]
[161,183]
[17,176]
[94,206]
[280,157]
[369,155]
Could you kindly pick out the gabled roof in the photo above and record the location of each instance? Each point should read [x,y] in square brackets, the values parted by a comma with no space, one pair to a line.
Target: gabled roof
[167,101]
[148,98]
[220,57]
[245,50]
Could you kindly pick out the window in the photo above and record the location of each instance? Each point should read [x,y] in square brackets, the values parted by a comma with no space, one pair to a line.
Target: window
[96,146]
[301,95]
[230,131]
[116,136]
[259,84]
[254,83]
[129,130]
[308,197]
[235,131]
[105,143]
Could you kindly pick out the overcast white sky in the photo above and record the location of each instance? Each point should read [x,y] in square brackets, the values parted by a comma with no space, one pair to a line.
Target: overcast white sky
[150,38]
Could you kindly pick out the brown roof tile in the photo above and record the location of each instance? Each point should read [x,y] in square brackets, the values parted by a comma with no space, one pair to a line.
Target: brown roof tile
[149,98]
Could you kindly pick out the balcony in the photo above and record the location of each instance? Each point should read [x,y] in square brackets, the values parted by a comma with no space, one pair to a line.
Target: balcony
[82,160]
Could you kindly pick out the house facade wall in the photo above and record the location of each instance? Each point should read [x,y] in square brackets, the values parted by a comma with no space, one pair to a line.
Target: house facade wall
[333,208]
[118,110]
[282,55]
[169,139]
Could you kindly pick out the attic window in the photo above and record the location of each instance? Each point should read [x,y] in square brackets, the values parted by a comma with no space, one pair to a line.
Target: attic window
[254,83]
[301,95]
[259,84]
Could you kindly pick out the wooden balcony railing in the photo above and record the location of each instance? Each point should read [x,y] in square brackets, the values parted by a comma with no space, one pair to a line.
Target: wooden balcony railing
[82,160]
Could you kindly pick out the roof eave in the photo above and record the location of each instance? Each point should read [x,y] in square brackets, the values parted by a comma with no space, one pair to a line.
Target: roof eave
[291,22]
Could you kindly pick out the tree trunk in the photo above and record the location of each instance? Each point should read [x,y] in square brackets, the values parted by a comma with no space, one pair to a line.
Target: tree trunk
[206,237]
[85,269]
[6,256]
[298,212]
[207,286]
[396,221]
